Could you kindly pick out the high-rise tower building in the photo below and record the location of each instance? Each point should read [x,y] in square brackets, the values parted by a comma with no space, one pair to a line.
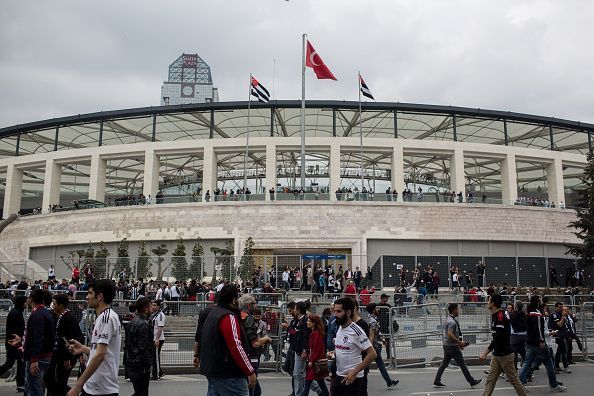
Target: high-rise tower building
[189,81]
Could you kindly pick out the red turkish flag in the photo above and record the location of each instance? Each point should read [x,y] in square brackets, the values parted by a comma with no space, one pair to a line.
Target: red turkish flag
[313,60]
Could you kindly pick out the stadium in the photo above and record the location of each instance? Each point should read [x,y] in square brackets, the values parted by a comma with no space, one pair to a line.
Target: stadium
[158,174]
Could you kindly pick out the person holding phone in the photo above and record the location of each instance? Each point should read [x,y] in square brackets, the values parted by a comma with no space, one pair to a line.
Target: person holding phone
[15,324]
[62,359]
[453,345]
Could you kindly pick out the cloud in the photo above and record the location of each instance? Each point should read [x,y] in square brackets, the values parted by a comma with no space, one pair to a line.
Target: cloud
[70,57]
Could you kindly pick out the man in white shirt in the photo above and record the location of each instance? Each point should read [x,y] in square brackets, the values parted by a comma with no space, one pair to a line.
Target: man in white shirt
[286,278]
[101,375]
[158,322]
[350,342]
[175,292]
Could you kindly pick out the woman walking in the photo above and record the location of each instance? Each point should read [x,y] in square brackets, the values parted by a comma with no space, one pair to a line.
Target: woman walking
[317,351]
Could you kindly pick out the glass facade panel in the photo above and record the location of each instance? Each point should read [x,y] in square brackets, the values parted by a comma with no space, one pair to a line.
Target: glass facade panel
[528,135]
[477,130]
[8,146]
[570,140]
[127,130]
[37,142]
[183,126]
[425,126]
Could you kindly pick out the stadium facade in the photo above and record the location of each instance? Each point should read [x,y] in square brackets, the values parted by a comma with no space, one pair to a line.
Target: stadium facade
[185,153]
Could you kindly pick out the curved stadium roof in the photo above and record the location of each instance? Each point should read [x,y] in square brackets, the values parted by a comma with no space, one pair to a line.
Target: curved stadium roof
[281,118]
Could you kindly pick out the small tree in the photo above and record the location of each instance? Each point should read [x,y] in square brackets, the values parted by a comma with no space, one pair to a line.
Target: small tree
[89,258]
[123,260]
[585,218]
[160,251]
[179,264]
[246,264]
[195,271]
[143,269]
[101,261]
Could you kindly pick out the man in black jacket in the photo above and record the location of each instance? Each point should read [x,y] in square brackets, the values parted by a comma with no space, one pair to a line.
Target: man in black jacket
[558,322]
[15,324]
[536,348]
[37,343]
[139,338]
[62,360]
[223,357]
[503,358]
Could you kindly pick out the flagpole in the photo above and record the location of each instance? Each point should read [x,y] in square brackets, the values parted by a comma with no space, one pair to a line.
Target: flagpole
[303,112]
[361,135]
[247,137]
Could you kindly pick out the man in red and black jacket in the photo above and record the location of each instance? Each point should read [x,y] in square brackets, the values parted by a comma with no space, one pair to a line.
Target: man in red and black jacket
[503,358]
[223,357]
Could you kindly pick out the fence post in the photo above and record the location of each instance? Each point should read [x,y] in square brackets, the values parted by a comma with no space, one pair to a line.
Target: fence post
[517,271]
[382,271]
[547,271]
[392,345]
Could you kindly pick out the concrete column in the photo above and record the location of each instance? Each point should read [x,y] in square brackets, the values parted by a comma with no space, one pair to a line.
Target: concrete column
[457,181]
[334,169]
[97,178]
[151,174]
[398,171]
[509,180]
[209,173]
[13,192]
[270,170]
[555,182]
[51,185]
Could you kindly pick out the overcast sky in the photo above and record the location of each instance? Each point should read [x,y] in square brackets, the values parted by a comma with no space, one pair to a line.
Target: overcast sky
[61,58]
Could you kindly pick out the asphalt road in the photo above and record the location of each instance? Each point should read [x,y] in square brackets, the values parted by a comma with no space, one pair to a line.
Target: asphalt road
[417,381]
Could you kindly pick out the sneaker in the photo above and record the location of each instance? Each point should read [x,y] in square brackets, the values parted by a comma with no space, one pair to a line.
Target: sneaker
[20,389]
[567,370]
[438,384]
[476,382]
[559,388]
[393,383]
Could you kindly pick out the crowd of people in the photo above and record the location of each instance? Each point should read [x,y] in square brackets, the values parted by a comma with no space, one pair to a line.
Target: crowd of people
[336,344]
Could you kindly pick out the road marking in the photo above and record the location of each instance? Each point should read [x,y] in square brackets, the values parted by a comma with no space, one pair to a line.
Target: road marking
[454,391]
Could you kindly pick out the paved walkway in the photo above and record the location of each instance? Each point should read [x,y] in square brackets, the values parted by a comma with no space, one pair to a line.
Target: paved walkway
[412,382]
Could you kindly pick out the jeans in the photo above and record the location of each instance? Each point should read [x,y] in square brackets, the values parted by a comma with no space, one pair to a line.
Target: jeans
[227,386]
[14,355]
[299,376]
[256,391]
[56,377]
[449,353]
[506,364]
[321,385]
[380,364]
[34,384]
[561,355]
[140,380]
[518,347]
[533,353]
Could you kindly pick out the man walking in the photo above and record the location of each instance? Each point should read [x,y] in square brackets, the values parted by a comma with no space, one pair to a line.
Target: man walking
[37,344]
[536,348]
[158,322]
[350,343]
[139,343]
[375,336]
[62,360]
[301,347]
[503,358]
[453,345]
[101,374]
[558,322]
[223,357]
[15,324]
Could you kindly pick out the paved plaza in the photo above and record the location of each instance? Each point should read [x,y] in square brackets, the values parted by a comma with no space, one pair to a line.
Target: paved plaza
[412,382]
